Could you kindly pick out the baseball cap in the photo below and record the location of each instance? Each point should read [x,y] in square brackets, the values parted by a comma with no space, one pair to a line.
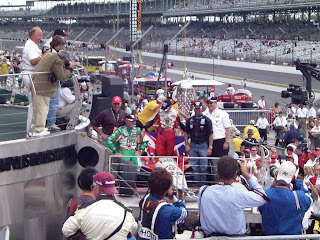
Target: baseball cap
[313,154]
[60,32]
[116,99]
[161,98]
[131,118]
[106,182]
[252,122]
[273,155]
[197,105]
[318,149]
[160,91]
[286,171]
[247,150]
[290,156]
[166,105]
[238,133]
[212,99]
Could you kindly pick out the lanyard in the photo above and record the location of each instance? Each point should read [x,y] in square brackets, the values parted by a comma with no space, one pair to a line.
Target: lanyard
[116,120]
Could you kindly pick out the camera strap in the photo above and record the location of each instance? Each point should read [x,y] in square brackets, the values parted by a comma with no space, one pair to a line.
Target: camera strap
[265,197]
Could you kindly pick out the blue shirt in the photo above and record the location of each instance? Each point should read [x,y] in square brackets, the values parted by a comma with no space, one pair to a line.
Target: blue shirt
[170,215]
[280,216]
[222,207]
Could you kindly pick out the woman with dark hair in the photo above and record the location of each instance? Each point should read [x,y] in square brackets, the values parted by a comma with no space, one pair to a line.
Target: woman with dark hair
[154,206]
[85,181]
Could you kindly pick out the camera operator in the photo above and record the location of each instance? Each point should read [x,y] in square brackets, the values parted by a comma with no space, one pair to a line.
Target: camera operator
[221,206]
[281,216]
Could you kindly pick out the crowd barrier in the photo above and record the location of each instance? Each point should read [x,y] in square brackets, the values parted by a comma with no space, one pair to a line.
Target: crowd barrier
[15,95]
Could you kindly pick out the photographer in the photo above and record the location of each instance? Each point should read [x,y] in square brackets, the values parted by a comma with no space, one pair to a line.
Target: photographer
[60,66]
[221,206]
[281,216]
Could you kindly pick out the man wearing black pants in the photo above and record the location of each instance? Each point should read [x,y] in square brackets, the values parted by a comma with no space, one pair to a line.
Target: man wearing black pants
[263,126]
[221,132]
[221,128]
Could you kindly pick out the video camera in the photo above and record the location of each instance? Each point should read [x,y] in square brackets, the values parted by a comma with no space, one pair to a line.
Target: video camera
[297,94]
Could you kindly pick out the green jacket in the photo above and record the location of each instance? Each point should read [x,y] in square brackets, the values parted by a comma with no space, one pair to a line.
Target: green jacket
[126,139]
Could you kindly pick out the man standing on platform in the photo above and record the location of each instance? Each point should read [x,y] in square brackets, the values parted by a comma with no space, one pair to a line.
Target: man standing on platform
[199,129]
[31,56]
[109,119]
[221,128]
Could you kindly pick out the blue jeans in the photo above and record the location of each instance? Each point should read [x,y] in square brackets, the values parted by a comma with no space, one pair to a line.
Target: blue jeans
[199,166]
[54,102]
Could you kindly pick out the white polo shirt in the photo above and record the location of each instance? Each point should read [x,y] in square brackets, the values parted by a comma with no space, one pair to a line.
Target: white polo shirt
[312,113]
[30,51]
[262,123]
[220,121]
[302,113]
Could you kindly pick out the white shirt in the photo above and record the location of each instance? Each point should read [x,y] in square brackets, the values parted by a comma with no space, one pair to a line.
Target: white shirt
[315,129]
[220,121]
[310,163]
[262,103]
[312,112]
[302,113]
[291,111]
[280,121]
[66,97]
[30,51]
[231,89]
[262,123]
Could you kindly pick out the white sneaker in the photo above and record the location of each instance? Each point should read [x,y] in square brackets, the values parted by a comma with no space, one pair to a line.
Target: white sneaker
[41,134]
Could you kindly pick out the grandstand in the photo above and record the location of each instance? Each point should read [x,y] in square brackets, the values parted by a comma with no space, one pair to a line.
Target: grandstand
[261,36]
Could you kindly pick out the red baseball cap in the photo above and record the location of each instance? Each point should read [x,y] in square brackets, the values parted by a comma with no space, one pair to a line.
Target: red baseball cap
[258,160]
[318,149]
[313,180]
[290,156]
[273,155]
[247,150]
[106,182]
[313,154]
[116,99]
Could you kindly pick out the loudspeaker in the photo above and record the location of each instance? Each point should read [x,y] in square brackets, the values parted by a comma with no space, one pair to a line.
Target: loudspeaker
[112,86]
[99,104]
[128,48]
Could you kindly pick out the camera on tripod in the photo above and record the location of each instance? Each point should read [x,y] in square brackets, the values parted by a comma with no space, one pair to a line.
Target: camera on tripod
[297,94]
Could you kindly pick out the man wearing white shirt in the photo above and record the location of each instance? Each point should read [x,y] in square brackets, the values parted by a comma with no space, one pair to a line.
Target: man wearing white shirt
[263,126]
[291,110]
[312,112]
[280,124]
[30,58]
[302,114]
[262,103]
[220,126]
[312,161]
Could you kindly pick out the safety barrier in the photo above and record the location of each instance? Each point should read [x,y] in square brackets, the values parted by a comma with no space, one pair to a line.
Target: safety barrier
[15,95]
[241,118]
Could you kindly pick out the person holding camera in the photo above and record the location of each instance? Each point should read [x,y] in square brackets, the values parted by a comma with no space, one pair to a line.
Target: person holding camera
[289,201]
[60,66]
[221,206]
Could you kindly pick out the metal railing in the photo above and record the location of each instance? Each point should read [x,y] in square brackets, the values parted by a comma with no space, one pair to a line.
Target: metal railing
[242,117]
[13,88]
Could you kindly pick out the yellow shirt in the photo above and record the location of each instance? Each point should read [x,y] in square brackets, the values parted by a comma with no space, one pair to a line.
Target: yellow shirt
[255,135]
[237,144]
[4,68]
[148,113]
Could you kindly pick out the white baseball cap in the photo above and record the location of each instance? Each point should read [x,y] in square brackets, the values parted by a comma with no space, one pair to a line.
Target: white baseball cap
[286,171]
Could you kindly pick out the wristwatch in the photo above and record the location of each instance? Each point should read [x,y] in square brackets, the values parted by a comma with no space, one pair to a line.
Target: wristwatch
[211,147]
